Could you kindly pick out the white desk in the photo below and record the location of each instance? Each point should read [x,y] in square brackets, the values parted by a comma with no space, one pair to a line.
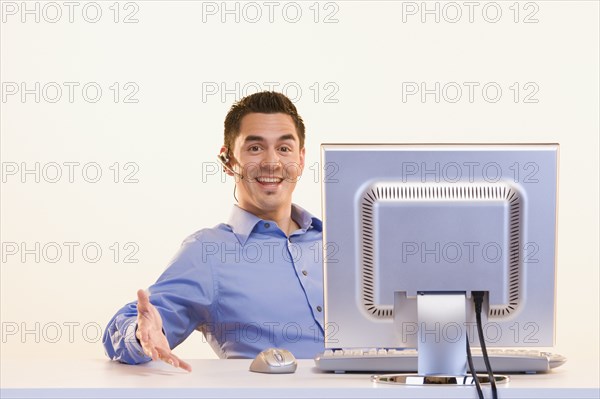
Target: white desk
[100,378]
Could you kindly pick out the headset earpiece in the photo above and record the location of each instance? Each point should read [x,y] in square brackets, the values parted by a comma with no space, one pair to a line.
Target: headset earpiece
[223,157]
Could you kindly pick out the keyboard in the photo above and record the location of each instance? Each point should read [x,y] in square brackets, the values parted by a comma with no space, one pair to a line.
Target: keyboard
[405,360]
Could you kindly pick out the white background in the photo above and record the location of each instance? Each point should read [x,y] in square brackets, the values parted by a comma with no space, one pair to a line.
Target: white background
[350,72]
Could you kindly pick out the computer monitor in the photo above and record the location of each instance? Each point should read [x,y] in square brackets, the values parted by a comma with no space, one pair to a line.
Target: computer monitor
[411,230]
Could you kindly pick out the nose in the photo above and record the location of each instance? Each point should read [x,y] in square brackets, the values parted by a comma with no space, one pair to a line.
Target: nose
[271,161]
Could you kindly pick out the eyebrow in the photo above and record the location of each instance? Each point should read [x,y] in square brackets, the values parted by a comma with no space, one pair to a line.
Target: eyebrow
[285,137]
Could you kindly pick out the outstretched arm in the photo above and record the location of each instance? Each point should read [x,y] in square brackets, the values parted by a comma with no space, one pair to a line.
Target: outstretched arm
[179,301]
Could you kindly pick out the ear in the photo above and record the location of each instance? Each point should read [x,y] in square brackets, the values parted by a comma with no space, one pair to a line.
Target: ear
[223,150]
[223,157]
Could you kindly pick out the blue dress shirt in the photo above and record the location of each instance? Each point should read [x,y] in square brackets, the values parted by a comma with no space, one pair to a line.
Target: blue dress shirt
[244,284]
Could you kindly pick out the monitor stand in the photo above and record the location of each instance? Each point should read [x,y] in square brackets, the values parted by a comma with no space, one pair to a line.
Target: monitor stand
[441,345]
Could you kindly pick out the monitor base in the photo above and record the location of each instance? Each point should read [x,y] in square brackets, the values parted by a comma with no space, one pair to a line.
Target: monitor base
[416,379]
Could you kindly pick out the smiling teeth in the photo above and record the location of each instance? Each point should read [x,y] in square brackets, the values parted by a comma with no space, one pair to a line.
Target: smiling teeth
[268,179]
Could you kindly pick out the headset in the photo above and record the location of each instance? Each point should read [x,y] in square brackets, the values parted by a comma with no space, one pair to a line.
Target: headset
[224,159]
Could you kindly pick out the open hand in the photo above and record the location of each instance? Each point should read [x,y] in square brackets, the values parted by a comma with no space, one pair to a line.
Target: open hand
[149,333]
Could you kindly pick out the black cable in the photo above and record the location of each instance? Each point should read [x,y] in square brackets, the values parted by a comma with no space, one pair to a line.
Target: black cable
[473,371]
[478,299]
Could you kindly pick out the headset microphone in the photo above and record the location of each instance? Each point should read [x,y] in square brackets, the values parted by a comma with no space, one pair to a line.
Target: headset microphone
[224,159]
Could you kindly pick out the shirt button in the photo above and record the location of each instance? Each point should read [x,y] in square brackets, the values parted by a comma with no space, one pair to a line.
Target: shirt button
[319,309]
[305,272]
[267,225]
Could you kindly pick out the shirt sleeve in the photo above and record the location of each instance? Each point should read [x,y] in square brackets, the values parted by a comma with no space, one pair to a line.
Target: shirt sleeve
[183,295]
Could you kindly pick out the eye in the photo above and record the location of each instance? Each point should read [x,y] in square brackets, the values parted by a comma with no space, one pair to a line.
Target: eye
[285,149]
[254,148]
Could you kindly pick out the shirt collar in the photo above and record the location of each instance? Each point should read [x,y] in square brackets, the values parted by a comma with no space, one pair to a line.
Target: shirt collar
[243,222]
[305,219]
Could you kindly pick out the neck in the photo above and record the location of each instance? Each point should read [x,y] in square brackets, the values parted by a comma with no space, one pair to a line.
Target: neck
[282,216]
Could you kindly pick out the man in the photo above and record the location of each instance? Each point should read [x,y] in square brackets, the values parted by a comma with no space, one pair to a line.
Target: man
[250,284]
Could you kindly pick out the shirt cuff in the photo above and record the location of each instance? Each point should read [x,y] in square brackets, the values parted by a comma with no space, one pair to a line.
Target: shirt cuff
[133,344]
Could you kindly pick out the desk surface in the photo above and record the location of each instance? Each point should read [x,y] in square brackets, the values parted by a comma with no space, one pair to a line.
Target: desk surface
[231,379]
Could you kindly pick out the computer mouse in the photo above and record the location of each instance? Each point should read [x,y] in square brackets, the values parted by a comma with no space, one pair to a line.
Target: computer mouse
[274,361]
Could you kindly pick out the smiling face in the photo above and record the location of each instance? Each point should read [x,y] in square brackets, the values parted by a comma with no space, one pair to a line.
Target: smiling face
[267,154]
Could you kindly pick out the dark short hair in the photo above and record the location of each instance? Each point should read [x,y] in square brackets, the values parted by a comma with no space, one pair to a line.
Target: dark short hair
[265,102]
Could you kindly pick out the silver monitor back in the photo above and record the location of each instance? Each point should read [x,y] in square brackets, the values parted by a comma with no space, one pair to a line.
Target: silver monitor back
[400,219]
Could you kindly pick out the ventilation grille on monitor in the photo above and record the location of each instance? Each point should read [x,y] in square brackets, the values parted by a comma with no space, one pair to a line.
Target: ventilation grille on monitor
[456,192]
